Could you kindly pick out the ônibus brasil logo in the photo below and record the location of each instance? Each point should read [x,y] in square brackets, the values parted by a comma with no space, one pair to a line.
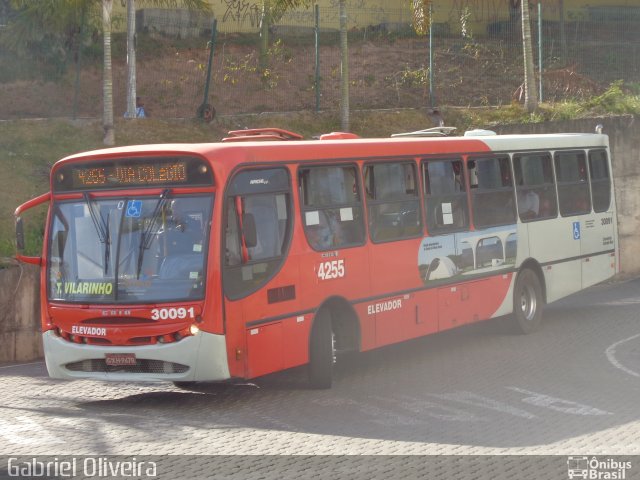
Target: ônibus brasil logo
[597,469]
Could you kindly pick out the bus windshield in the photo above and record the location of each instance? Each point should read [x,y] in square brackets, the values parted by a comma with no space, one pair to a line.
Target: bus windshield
[129,249]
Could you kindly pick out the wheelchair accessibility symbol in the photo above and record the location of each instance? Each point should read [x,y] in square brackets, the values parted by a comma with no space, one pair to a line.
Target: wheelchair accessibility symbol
[134,208]
[576,230]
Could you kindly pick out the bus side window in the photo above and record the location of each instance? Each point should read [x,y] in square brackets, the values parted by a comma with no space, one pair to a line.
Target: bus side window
[573,185]
[233,251]
[600,180]
[331,207]
[445,196]
[492,198]
[392,198]
[260,232]
[535,188]
[257,229]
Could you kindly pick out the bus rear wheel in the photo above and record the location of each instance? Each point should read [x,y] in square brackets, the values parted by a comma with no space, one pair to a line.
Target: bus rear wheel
[322,352]
[528,302]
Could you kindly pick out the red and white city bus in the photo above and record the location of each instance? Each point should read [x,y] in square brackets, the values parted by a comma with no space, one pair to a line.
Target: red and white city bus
[208,262]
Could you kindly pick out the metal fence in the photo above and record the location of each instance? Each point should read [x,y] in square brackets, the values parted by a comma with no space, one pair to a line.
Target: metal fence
[472,63]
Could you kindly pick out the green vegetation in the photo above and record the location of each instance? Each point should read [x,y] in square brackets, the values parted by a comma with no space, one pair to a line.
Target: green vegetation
[28,148]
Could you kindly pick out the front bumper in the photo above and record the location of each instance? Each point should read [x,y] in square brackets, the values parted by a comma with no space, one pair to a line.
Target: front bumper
[202,357]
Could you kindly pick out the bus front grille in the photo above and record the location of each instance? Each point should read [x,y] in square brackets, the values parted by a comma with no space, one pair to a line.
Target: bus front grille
[141,366]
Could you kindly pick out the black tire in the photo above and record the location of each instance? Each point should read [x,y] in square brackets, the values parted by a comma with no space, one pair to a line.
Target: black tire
[528,302]
[190,386]
[206,112]
[321,352]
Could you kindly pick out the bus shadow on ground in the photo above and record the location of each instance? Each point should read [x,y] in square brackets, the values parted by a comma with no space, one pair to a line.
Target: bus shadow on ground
[477,385]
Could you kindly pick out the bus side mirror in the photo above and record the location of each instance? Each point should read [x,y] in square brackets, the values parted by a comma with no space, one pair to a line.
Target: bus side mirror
[20,238]
[249,232]
[19,235]
[20,245]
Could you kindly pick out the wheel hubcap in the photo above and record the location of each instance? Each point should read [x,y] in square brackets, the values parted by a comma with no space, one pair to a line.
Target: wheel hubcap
[333,347]
[528,302]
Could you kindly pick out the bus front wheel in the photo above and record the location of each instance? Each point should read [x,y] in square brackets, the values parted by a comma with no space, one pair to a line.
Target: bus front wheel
[322,352]
[528,302]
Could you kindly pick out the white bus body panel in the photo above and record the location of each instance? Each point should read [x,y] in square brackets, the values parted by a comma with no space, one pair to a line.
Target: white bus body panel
[566,262]
[597,235]
[553,247]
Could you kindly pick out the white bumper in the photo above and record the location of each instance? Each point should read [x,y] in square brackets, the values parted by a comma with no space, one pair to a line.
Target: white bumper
[204,356]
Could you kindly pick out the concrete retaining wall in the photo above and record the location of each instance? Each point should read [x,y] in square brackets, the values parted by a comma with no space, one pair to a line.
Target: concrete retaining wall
[20,314]
[19,287]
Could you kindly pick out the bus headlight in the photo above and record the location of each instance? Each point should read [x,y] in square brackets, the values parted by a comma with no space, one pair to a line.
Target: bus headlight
[193,329]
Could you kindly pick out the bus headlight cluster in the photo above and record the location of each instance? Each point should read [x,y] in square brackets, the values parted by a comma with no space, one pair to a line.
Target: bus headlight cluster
[174,337]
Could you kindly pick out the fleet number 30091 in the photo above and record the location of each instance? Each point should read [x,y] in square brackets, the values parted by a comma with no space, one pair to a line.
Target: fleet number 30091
[172,313]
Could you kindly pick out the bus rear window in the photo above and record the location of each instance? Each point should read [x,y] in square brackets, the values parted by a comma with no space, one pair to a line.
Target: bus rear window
[600,180]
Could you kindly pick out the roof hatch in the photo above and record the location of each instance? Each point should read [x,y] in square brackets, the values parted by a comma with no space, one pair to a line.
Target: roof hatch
[260,134]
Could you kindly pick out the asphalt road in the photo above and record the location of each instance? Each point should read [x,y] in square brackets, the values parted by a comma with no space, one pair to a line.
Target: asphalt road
[572,388]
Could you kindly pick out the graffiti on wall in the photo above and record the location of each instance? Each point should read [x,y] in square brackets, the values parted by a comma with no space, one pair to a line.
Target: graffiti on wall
[246,14]
[241,11]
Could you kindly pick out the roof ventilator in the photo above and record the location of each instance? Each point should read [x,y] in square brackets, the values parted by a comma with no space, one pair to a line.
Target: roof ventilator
[261,134]
[428,132]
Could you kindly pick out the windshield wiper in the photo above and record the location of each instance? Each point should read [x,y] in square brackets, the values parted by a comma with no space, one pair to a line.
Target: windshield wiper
[102,227]
[146,237]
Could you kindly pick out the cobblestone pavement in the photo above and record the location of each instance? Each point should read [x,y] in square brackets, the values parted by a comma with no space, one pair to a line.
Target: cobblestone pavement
[572,388]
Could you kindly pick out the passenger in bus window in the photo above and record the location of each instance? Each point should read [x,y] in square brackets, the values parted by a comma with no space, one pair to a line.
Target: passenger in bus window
[457,175]
[327,233]
[528,204]
[184,232]
[182,244]
[233,255]
[473,174]
[320,237]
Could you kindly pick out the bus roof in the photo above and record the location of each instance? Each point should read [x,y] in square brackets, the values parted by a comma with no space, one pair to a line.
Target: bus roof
[307,150]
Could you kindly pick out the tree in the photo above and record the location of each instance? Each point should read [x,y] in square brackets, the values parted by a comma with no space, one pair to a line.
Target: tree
[131,60]
[563,35]
[421,23]
[530,89]
[344,69]
[109,137]
[46,30]
[201,5]
[272,11]
[59,24]
[421,12]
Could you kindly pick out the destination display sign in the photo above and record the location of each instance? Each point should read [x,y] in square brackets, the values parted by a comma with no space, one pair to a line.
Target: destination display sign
[124,173]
